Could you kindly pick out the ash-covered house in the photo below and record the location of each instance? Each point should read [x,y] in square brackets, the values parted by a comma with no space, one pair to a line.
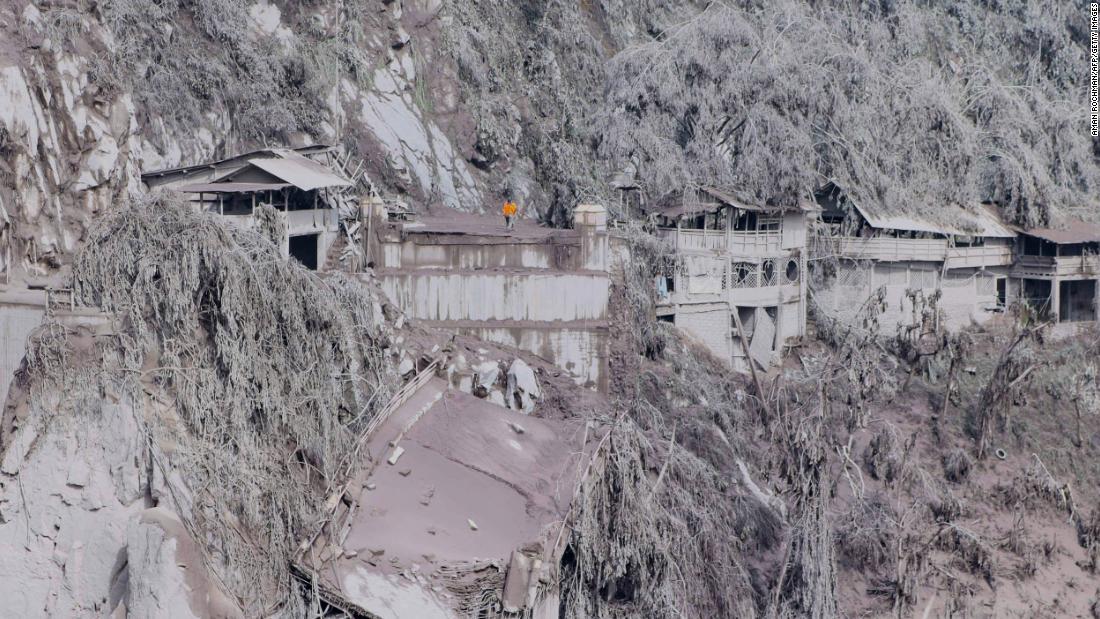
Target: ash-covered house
[740,275]
[1056,271]
[309,187]
[969,258]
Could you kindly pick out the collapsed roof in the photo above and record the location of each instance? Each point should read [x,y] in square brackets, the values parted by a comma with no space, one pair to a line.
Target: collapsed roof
[968,220]
[461,506]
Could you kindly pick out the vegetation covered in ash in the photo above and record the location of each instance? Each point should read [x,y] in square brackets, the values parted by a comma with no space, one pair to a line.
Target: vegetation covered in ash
[253,376]
[862,480]
[907,105]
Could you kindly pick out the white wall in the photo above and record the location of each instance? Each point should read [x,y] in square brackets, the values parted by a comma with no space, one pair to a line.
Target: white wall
[16,323]
[499,295]
[709,325]
[579,351]
[967,294]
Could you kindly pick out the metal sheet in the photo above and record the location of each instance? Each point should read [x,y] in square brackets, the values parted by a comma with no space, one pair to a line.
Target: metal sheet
[232,187]
[972,221]
[301,172]
[232,162]
[763,339]
[1075,231]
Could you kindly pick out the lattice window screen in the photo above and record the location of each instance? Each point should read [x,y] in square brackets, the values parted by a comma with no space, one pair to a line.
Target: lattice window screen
[852,276]
[744,275]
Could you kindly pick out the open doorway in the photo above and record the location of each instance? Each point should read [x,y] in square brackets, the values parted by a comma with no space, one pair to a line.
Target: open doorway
[1077,301]
[1002,292]
[1036,295]
[304,249]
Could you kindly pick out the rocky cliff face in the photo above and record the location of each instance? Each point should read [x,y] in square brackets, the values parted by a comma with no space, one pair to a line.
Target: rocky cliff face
[68,150]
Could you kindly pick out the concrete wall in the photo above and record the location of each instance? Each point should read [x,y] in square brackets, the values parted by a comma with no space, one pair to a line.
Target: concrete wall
[545,294]
[499,295]
[17,320]
[969,296]
[578,349]
[709,324]
[419,254]
[567,250]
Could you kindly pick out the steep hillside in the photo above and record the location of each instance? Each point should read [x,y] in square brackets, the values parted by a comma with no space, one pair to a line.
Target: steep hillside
[909,105]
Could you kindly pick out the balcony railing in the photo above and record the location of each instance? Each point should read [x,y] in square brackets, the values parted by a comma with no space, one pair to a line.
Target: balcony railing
[1061,266]
[885,249]
[976,257]
[296,221]
[734,242]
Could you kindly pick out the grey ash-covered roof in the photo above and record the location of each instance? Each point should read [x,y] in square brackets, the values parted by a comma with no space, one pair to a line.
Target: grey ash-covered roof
[1073,232]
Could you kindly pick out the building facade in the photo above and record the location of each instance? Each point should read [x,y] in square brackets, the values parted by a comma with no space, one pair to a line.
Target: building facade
[308,187]
[977,266]
[539,289]
[739,284]
[1056,272]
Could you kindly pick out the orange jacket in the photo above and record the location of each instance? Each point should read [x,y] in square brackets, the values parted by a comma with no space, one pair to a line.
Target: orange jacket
[509,209]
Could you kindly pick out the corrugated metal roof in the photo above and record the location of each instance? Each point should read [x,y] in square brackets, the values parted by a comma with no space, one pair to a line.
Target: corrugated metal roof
[302,172]
[233,187]
[972,221]
[1076,231]
[312,149]
[731,200]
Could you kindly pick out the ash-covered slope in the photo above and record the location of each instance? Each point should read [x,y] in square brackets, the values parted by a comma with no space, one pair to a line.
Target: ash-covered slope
[909,105]
[223,386]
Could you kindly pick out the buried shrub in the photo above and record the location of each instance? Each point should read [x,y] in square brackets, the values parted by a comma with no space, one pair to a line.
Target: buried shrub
[866,534]
[956,466]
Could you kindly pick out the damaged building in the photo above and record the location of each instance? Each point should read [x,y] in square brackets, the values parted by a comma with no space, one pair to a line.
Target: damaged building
[538,289]
[311,188]
[910,257]
[739,285]
[1056,271]
[461,509]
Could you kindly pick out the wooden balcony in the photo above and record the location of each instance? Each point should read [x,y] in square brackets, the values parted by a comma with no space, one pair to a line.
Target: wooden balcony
[733,242]
[884,249]
[1067,267]
[977,257]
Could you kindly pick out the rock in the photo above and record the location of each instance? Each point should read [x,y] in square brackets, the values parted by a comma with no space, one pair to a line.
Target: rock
[473,525]
[405,473]
[395,456]
[406,366]
[17,451]
[487,374]
[523,388]
[78,473]
[518,429]
[166,574]
[496,397]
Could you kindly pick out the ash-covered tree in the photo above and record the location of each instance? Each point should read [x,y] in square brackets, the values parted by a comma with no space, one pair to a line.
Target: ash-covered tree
[907,105]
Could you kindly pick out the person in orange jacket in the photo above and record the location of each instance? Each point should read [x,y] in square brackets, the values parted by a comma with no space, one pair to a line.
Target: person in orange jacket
[509,211]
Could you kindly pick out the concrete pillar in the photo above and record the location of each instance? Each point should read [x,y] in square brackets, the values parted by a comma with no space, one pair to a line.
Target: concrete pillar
[1056,299]
[591,221]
